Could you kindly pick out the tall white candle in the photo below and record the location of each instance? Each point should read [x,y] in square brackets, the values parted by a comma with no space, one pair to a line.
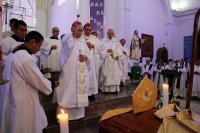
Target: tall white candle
[64,127]
[165,94]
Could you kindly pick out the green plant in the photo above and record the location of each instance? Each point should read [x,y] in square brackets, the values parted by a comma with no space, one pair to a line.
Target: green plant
[139,75]
[160,100]
[127,83]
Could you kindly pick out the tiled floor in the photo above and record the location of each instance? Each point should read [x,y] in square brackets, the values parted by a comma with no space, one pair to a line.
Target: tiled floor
[194,105]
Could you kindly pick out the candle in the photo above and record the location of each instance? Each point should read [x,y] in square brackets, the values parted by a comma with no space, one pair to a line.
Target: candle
[63,122]
[165,94]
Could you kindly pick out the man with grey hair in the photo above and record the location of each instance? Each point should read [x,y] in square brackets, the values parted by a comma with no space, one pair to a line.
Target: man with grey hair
[50,52]
[110,69]
[72,94]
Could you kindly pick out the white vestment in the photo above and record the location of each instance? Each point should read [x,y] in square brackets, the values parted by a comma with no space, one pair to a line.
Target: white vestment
[51,58]
[182,89]
[8,44]
[167,67]
[94,54]
[149,69]
[158,77]
[124,63]
[20,110]
[196,82]
[142,67]
[72,92]
[110,73]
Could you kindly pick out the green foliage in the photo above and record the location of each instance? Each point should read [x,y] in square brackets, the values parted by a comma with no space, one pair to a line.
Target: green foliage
[160,100]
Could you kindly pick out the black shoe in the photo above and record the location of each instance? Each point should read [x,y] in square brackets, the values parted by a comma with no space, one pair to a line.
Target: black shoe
[193,98]
[121,84]
[91,98]
[179,97]
[99,90]
[197,98]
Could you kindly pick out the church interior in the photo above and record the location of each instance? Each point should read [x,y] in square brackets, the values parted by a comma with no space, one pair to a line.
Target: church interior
[169,24]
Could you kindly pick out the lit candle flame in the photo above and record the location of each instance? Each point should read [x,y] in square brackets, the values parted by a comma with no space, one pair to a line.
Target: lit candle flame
[62,112]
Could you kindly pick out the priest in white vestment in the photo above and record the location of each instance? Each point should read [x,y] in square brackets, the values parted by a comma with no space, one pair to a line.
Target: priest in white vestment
[182,87]
[167,67]
[124,60]
[11,31]
[51,52]
[9,43]
[148,70]
[110,73]
[196,80]
[95,46]
[72,94]
[158,80]
[20,110]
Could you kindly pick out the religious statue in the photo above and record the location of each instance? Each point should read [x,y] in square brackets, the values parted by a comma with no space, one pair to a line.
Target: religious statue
[135,45]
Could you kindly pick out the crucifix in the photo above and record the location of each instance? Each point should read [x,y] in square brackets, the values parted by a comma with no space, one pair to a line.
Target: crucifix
[6,5]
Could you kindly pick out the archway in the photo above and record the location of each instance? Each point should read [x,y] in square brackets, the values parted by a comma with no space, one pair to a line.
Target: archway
[162,53]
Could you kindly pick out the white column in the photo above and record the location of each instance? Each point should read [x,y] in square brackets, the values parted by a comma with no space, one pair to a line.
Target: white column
[120,17]
[84,11]
[168,39]
[49,18]
[127,24]
[110,14]
[168,27]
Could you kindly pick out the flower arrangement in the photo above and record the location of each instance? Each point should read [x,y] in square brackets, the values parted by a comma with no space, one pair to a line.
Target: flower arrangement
[160,100]
[139,75]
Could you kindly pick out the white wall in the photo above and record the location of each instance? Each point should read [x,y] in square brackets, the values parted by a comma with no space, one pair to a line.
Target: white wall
[182,26]
[122,16]
[148,17]
[125,16]
[63,16]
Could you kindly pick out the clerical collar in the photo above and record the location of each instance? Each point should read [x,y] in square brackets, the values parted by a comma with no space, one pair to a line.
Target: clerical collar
[54,38]
[23,47]
[17,38]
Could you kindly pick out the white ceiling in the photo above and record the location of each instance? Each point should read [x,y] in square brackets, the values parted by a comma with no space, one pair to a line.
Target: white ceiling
[184,5]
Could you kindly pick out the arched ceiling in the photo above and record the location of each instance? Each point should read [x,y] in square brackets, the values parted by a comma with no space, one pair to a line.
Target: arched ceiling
[184,5]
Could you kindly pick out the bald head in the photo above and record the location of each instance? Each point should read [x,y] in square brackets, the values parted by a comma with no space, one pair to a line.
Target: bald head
[110,33]
[55,32]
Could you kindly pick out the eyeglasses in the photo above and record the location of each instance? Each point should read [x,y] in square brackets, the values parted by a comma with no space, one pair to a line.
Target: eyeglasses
[22,30]
[56,31]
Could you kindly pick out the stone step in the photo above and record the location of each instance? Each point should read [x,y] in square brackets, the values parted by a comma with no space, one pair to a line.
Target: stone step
[93,112]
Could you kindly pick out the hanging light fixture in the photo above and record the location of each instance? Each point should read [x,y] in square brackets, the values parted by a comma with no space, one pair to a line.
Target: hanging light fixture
[177,9]
[77,4]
